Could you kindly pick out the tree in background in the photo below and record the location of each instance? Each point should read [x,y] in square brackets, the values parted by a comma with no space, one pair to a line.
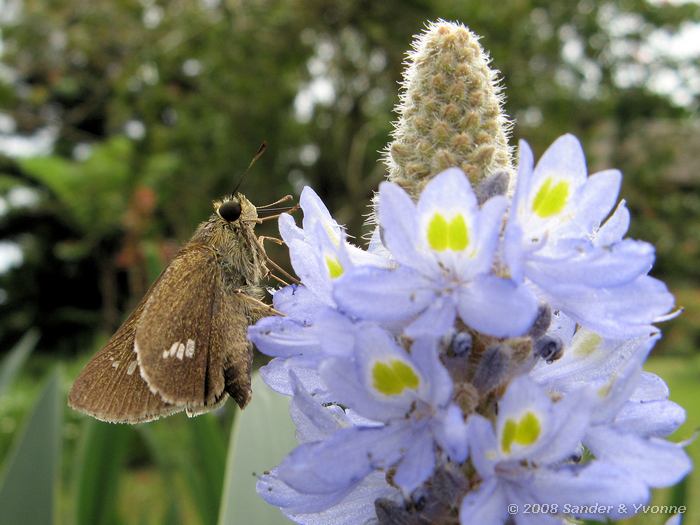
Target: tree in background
[149,110]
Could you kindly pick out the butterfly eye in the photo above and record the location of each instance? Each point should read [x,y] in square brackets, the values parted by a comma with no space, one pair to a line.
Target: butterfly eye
[230,211]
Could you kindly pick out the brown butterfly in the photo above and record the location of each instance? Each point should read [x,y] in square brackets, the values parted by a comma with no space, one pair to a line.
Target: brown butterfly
[185,346]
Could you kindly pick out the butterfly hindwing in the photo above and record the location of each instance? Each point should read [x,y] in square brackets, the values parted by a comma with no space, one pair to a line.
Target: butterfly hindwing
[189,331]
[110,387]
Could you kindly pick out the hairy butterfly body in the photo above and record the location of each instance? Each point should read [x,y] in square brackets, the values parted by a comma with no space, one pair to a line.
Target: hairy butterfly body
[185,346]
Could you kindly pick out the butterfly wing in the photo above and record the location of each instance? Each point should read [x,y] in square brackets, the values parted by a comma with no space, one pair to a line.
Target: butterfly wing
[192,334]
[110,387]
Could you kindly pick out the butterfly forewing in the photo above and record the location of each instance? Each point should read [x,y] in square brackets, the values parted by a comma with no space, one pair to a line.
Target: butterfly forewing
[184,361]
[110,387]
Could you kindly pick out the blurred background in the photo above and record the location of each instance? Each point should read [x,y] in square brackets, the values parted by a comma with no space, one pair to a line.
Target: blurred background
[121,120]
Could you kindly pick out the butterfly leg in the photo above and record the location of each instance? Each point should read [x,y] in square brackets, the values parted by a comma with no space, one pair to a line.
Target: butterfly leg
[272,263]
[276,278]
[259,306]
[263,238]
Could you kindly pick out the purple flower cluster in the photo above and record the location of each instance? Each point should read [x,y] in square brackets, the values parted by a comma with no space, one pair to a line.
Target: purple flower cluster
[485,351]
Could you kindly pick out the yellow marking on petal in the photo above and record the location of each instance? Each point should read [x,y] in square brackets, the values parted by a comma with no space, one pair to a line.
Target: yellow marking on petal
[604,391]
[392,378]
[524,432]
[331,233]
[587,344]
[443,235]
[551,198]
[438,233]
[459,234]
[335,269]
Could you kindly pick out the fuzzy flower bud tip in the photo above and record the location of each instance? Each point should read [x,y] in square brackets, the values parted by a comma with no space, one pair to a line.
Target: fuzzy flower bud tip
[449,111]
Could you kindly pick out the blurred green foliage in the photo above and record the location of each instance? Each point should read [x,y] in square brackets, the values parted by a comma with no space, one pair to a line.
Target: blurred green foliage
[152,109]
[121,120]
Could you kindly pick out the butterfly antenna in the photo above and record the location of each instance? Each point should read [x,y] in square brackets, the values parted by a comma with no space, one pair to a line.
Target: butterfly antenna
[257,155]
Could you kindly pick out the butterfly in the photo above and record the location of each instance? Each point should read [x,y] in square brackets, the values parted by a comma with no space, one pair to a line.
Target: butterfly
[185,345]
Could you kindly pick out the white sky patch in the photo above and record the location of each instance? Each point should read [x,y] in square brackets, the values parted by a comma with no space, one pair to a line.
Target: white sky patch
[22,197]
[7,123]
[191,67]
[658,60]
[40,143]
[320,89]
[82,151]
[309,153]
[135,129]
[10,255]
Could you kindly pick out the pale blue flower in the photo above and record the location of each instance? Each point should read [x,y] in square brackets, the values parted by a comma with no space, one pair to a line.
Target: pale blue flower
[632,411]
[558,239]
[407,399]
[349,506]
[444,247]
[308,332]
[387,399]
[525,458]
[319,251]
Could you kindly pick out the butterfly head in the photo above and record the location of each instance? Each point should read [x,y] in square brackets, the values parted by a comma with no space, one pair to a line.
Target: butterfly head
[235,209]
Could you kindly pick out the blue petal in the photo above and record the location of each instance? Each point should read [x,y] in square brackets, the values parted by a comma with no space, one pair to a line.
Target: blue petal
[341,378]
[650,419]
[383,295]
[316,211]
[615,228]
[656,462]
[452,433]
[486,505]
[436,320]
[497,306]
[617,313]
[399,225]
[418,462]
[621,263]
[526,164]
[283,337]
[297,302]
[487,236]
[276,376]
[595,486]
[564,156]
[449,189]
[483,445]
[306,264]
[276,492]
[425,354]
[288,229]
[312,420]
[356,507]
[598,197]
[344,459]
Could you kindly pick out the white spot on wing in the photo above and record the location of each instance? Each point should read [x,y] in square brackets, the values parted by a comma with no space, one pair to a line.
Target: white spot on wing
[173,349]
[189,349]
[165,354]
[115,364]
[180,351]
[132,367]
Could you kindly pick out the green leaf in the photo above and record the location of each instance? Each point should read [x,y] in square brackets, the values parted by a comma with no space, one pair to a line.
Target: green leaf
[190,456]
[13,361]
[97,472]
[261,436]
[95,191]
[28,487]
[203,465]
